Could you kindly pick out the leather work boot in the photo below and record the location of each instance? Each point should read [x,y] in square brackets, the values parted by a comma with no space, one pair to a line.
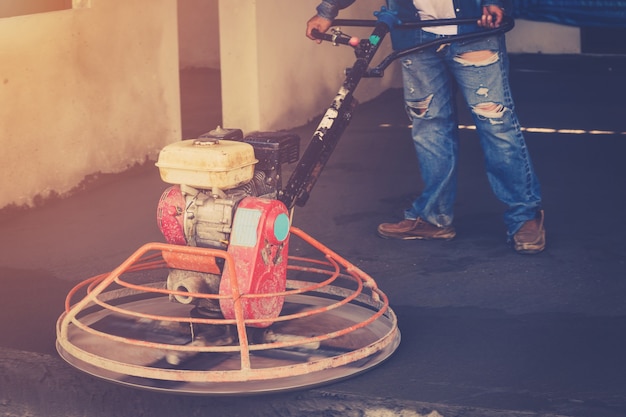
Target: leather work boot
[409,229]
[531,238]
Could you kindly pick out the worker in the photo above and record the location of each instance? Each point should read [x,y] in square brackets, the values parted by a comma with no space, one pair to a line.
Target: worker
[479,70]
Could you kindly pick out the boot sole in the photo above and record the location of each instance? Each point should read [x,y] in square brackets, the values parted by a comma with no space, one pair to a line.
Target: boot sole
[415,237]
[529,250]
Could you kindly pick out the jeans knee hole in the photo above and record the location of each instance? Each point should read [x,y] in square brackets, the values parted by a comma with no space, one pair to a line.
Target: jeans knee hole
[493,112]
[477,58]
[418,108]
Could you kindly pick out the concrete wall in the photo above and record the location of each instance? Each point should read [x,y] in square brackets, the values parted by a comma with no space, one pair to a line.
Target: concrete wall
[86,90]
[198,31]
[273,77]
[21,7]
[542,37]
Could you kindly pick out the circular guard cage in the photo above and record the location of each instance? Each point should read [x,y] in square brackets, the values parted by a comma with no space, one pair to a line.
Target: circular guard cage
[335,323]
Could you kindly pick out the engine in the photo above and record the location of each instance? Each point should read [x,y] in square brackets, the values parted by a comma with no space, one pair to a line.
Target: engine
[224,195]
[212,174]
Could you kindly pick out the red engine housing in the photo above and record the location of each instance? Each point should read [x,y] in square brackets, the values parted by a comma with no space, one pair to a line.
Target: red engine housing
[259,246]
[170,212]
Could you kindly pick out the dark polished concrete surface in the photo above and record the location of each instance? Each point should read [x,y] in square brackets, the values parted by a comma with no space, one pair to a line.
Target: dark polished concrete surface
[485,331]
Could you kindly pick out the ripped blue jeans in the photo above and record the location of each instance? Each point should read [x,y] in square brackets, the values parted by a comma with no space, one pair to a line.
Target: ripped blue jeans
[480,70]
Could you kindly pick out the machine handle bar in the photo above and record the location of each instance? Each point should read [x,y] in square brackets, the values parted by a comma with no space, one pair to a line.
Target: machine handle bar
[378,71]
[405,25]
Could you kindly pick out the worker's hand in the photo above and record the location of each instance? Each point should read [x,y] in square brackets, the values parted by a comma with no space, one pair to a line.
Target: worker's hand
[492,17]
[316,22]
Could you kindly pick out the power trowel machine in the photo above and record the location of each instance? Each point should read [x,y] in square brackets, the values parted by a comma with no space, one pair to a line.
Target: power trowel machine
[222,308]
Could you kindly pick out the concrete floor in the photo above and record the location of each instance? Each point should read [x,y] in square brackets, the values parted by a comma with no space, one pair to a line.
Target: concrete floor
[486,332]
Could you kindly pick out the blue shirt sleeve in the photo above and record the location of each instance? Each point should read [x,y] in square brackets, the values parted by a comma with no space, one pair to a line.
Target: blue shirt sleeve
[329,9]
